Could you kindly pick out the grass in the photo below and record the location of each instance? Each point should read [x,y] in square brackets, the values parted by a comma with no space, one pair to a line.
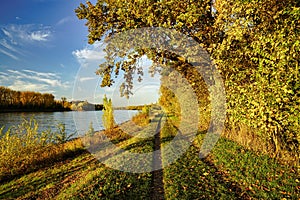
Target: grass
[82,176]
[247,138]
[258,174]
[231,171]
[24,148]
[77,178]
[189,177]
[142,117]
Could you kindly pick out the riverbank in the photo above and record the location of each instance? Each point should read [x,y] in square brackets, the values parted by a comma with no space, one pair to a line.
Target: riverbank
[229,172]
[8,110]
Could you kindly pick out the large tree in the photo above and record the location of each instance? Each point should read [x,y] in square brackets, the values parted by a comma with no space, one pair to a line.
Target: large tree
[255,45]
[106,18]
[259,58]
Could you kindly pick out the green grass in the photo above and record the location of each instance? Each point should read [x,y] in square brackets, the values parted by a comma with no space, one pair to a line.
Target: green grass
[229,172]
[83,176]
[78,178]
[190,177]
[259,175]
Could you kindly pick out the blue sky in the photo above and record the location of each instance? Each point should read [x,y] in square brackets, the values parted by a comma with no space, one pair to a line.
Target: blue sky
[43,48]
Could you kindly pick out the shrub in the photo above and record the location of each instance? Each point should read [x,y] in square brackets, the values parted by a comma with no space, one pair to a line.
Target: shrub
[108,114]
[142,117]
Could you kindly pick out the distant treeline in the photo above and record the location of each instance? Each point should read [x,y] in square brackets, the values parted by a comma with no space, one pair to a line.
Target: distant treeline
[11,100]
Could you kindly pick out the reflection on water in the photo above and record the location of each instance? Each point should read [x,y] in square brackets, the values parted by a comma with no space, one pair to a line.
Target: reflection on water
[75,122]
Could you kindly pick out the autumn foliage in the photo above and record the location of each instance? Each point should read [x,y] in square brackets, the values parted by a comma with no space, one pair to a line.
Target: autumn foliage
[255,45]
[11,100]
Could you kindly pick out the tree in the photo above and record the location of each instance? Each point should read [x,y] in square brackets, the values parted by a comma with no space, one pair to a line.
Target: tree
[108,114]
[10,99]
[255,45]
[106,18]
[73,107]
[259,58]
[63,100]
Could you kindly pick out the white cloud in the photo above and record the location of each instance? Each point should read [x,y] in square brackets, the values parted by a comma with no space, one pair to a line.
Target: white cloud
[43,74]
[9,54]
[7,33]
[82,79]
[39,36]
[5,44]
[25,33]
[3,73]
[90,54]
[33,80]
[20,85]
[49,78]
[51,82]
[3,79]
[87,54]
[20,35]
[63,21]
[14,71]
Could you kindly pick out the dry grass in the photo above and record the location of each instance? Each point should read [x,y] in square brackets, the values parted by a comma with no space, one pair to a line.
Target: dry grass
[11,166]
[248,138]
[141,119]
[23,149]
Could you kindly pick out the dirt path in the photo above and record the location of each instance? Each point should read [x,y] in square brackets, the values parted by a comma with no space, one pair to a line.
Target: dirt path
[157,175]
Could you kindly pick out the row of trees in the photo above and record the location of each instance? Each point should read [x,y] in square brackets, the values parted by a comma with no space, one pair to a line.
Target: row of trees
[255,45]
[17,100]
[11,100]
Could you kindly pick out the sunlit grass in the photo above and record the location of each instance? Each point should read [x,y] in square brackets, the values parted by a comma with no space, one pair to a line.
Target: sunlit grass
[258,174]
[189,177]
[67,171]
[81,176]
[24,148]
[231,171]
[142,118]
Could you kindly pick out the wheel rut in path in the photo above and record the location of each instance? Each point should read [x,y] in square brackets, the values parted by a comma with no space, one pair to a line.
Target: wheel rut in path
[157,175]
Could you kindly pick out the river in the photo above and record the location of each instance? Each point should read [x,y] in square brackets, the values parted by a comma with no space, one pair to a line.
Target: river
[77,122]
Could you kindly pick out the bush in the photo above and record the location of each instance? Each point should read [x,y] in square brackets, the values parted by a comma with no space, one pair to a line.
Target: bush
[108,114]
[142,118]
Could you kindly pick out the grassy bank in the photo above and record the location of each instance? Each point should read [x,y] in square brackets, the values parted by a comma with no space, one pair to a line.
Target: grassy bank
[71,172]
[231,171]
[66,170]
[23,148]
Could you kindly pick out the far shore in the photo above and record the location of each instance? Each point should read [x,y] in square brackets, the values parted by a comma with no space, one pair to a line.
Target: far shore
[7,110]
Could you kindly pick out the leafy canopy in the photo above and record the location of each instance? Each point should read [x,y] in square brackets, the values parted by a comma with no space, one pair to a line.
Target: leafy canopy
[255,45]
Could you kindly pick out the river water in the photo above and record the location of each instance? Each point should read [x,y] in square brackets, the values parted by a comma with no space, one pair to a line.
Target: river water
[77,122]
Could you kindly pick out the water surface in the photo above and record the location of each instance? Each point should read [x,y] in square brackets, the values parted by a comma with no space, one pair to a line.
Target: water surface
[75,121]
